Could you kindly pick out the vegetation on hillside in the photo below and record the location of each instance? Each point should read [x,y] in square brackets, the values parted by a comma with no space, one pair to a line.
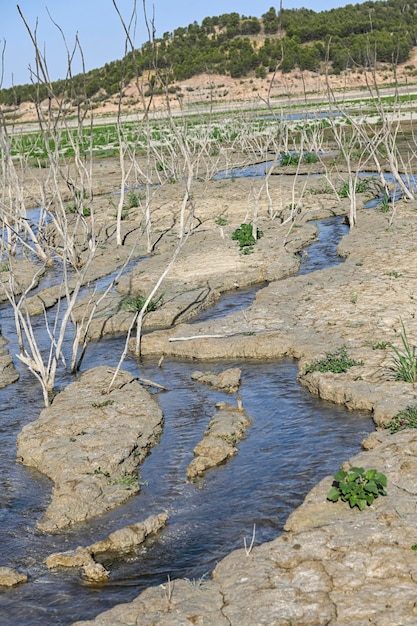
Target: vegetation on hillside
[238,46]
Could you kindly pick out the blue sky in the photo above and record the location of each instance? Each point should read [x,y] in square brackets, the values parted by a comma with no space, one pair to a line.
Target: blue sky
[99,29]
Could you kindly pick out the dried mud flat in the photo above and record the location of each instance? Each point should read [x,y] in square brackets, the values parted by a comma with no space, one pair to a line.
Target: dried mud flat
[331,560]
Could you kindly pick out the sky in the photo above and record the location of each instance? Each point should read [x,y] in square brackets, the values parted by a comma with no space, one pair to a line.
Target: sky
[100,31]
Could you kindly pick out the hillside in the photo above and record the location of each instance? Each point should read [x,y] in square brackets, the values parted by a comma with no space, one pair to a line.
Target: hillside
[228,57]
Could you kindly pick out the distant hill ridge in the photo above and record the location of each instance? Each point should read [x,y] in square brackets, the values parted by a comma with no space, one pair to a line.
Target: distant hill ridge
[354,36]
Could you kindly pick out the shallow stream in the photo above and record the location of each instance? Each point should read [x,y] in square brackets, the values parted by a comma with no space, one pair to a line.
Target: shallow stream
[294,440]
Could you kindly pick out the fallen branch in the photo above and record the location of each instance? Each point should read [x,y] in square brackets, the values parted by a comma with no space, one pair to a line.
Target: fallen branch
[201,337]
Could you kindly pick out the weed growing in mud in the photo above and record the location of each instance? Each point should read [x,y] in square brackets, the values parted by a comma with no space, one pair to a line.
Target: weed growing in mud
[294,158]
[127,481]
[384,205]
[381,345]
[407,418]
[404,362]
[357,487]
[133,304]
[315,191]
[99,405]
[245,238]
[72,208]
[337,362]
[360,187]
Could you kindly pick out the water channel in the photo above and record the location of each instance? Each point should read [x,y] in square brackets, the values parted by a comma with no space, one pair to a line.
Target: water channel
[294,440]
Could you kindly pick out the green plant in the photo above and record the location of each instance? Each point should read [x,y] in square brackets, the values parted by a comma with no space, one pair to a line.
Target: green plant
[290,159]
[99,405]
[360,187]
[384,205]
[319,190]
[381,345]
[133,304]
[128,481]
[310,157]
[404,362]
[357,487]
[133,199]
[221,221]
[72,208]
[336,362]
[245,237]
[406,418]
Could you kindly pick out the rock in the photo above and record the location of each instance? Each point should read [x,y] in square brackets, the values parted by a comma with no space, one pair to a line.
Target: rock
[90,445]
[95,572]
[228,380]
[128,538]
[225,429]
[118,543]
[8,373]
[10,577]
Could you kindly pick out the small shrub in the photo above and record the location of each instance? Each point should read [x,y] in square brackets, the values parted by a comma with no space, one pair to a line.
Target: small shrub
[384,204]
[357,487]
[310,157]
[360,187]
[407,418]
[289,159]
[245,238]
[133,304]
[72,208]
[337,362]
[133,199]
[404,362]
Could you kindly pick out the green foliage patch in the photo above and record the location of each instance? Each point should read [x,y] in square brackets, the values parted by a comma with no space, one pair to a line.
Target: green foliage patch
[134,304]
[360,187]
[357,487]
[337,362]
[406,418]
[244,236]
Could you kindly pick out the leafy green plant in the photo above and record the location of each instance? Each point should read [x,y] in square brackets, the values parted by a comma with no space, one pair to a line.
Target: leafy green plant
[290,159]
[245,238]
[357,487]
[406,418]
[133,304]
[360,187]
[310,157]
[404,362]
[86,211]
[337,362]
[221,221]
